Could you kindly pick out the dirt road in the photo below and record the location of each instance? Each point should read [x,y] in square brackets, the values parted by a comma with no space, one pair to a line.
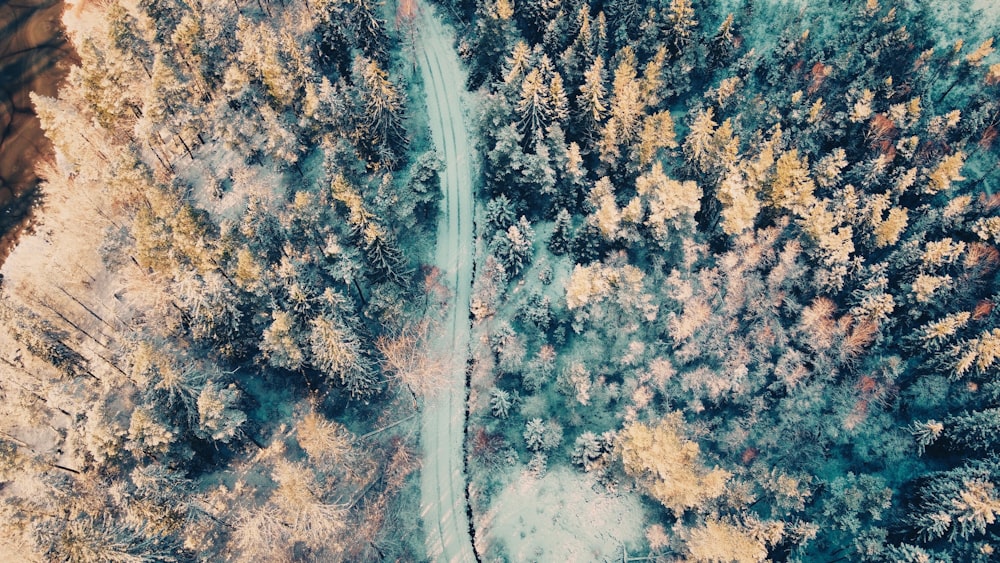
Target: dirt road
[443,503]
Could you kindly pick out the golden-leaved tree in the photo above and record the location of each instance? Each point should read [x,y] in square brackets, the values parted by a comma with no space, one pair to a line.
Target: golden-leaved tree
[669,466]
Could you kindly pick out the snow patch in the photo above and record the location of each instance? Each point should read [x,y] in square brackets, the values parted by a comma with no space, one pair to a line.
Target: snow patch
[561,517]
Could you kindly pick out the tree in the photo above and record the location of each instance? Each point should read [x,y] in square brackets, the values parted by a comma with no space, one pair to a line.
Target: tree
[718,541]
[303,508]
[710,147]
[500,213]
[500,402]
[657,133]
[41,338]
[961,502]
[672,204]
[407,357]
[516,64]
[368,29]
[494,28]
[722,44]
[324,441]
[627,106]
[855,500]
[514,248]
[591,451]
[558,100]
[740,205]
[668,466]
[791,188]
[281,344]
[680,24]
[169,386]
[382,131]
[337,352]
[260,534]
[542,436]
[592,99]
[973,431]
[89,539]
[947,171]
[218,417]
[534,106]
[147,436]
[560,237]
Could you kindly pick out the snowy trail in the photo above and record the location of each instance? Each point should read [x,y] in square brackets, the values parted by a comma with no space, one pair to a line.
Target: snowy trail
[442,503]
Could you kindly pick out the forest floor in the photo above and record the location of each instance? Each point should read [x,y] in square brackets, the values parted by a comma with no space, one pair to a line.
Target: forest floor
[443,482]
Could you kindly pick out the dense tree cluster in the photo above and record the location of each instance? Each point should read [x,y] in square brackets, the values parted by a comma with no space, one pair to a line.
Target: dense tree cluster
[766,250]
[225,320]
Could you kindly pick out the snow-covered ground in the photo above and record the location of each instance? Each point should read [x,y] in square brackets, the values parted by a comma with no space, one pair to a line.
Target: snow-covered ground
[443,482]
[560,517]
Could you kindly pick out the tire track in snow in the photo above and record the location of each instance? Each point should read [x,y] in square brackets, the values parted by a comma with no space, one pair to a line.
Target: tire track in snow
[426,438]
[443,483]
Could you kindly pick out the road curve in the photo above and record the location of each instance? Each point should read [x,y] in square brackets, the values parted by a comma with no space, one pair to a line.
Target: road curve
[442,481]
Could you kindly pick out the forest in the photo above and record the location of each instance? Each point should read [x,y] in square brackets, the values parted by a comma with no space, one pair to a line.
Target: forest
[743,260]
[212,340]
[736,261]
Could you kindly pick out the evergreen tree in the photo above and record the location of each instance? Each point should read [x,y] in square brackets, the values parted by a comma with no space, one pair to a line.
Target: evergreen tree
[560,237]
[382,132]
[975,431]
[591,100]
[534,107]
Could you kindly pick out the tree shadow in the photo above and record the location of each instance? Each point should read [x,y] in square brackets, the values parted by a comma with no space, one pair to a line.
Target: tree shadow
[16,215]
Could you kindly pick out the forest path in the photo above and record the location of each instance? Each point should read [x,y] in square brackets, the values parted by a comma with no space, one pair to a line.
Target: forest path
[442,480]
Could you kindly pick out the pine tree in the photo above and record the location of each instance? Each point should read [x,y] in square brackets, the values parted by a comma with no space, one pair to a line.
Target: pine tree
[718,540]
[680,24]
[592,99]
[306,512]
[337,351]
[722,44]
[711,147]
[500,402]
[368,30]
[588,451]
[90,539]
[281,345]
[625,18]
[500,214]
[558,100]
[534,107]
[168,386]
[513,248]
[672,204]
[652,79]
[961,502]
[977,431]
[657,133]
[560,237]
[516,65]
[534,434]
[218,417]
[791,187]
[740,205]
[626,108]
[383,129]
[948,171]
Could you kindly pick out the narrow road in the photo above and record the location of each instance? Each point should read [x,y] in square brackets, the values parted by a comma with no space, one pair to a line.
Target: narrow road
[442,481]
